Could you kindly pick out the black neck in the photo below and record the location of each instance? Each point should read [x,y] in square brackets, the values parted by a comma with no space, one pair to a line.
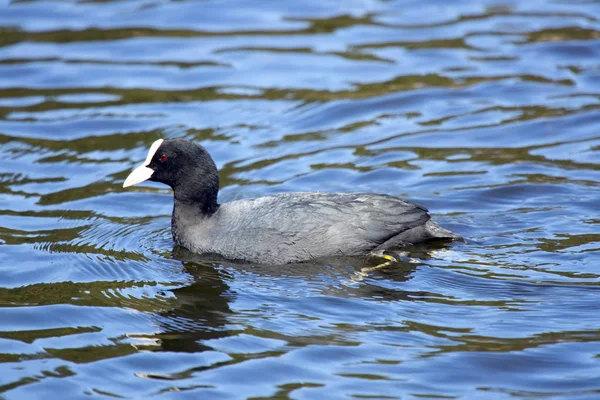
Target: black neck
[205,203]
[199,191]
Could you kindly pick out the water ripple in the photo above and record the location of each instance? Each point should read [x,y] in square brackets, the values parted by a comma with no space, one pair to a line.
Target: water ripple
[484,112]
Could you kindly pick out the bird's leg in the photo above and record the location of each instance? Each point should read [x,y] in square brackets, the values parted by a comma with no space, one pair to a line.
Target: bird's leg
[359,276]
[390,260]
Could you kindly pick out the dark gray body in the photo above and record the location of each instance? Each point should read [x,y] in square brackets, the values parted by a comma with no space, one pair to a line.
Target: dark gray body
[292,227]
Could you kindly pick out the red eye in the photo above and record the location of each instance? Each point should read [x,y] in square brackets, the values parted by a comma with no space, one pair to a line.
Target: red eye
[163,158]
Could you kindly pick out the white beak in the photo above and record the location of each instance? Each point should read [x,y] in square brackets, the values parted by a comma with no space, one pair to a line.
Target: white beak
[138,175]
[143,173]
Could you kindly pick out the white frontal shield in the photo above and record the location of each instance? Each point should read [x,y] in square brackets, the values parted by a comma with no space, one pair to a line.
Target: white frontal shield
[143,173]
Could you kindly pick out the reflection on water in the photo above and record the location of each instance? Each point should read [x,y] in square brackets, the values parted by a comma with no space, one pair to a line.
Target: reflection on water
[485,112]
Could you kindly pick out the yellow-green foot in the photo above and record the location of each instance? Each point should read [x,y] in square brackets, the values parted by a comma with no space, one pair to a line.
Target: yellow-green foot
[359,276]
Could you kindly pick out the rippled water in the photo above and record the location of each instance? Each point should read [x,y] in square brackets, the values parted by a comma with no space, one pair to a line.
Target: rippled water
[487,113]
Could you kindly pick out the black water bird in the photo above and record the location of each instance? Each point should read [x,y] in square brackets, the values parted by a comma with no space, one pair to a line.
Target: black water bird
[281,228]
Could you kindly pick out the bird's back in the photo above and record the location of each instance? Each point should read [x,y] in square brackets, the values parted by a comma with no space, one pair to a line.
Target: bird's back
[292,227]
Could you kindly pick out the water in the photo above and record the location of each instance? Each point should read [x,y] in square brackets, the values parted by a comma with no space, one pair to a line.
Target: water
[485,112]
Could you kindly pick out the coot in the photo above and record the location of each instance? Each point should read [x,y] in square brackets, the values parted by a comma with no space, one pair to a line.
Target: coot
[281,228]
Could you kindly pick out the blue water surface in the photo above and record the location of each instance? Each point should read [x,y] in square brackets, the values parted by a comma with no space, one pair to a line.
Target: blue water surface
[486,112]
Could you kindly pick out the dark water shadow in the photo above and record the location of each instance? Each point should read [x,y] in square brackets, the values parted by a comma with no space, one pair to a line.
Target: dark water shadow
[201,311]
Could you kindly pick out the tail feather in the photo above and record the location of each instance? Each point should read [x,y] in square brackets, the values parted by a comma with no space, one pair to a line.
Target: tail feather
[418,234]
[434,231]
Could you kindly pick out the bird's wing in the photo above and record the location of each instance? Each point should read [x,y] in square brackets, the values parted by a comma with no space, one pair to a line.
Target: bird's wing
[313,219]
